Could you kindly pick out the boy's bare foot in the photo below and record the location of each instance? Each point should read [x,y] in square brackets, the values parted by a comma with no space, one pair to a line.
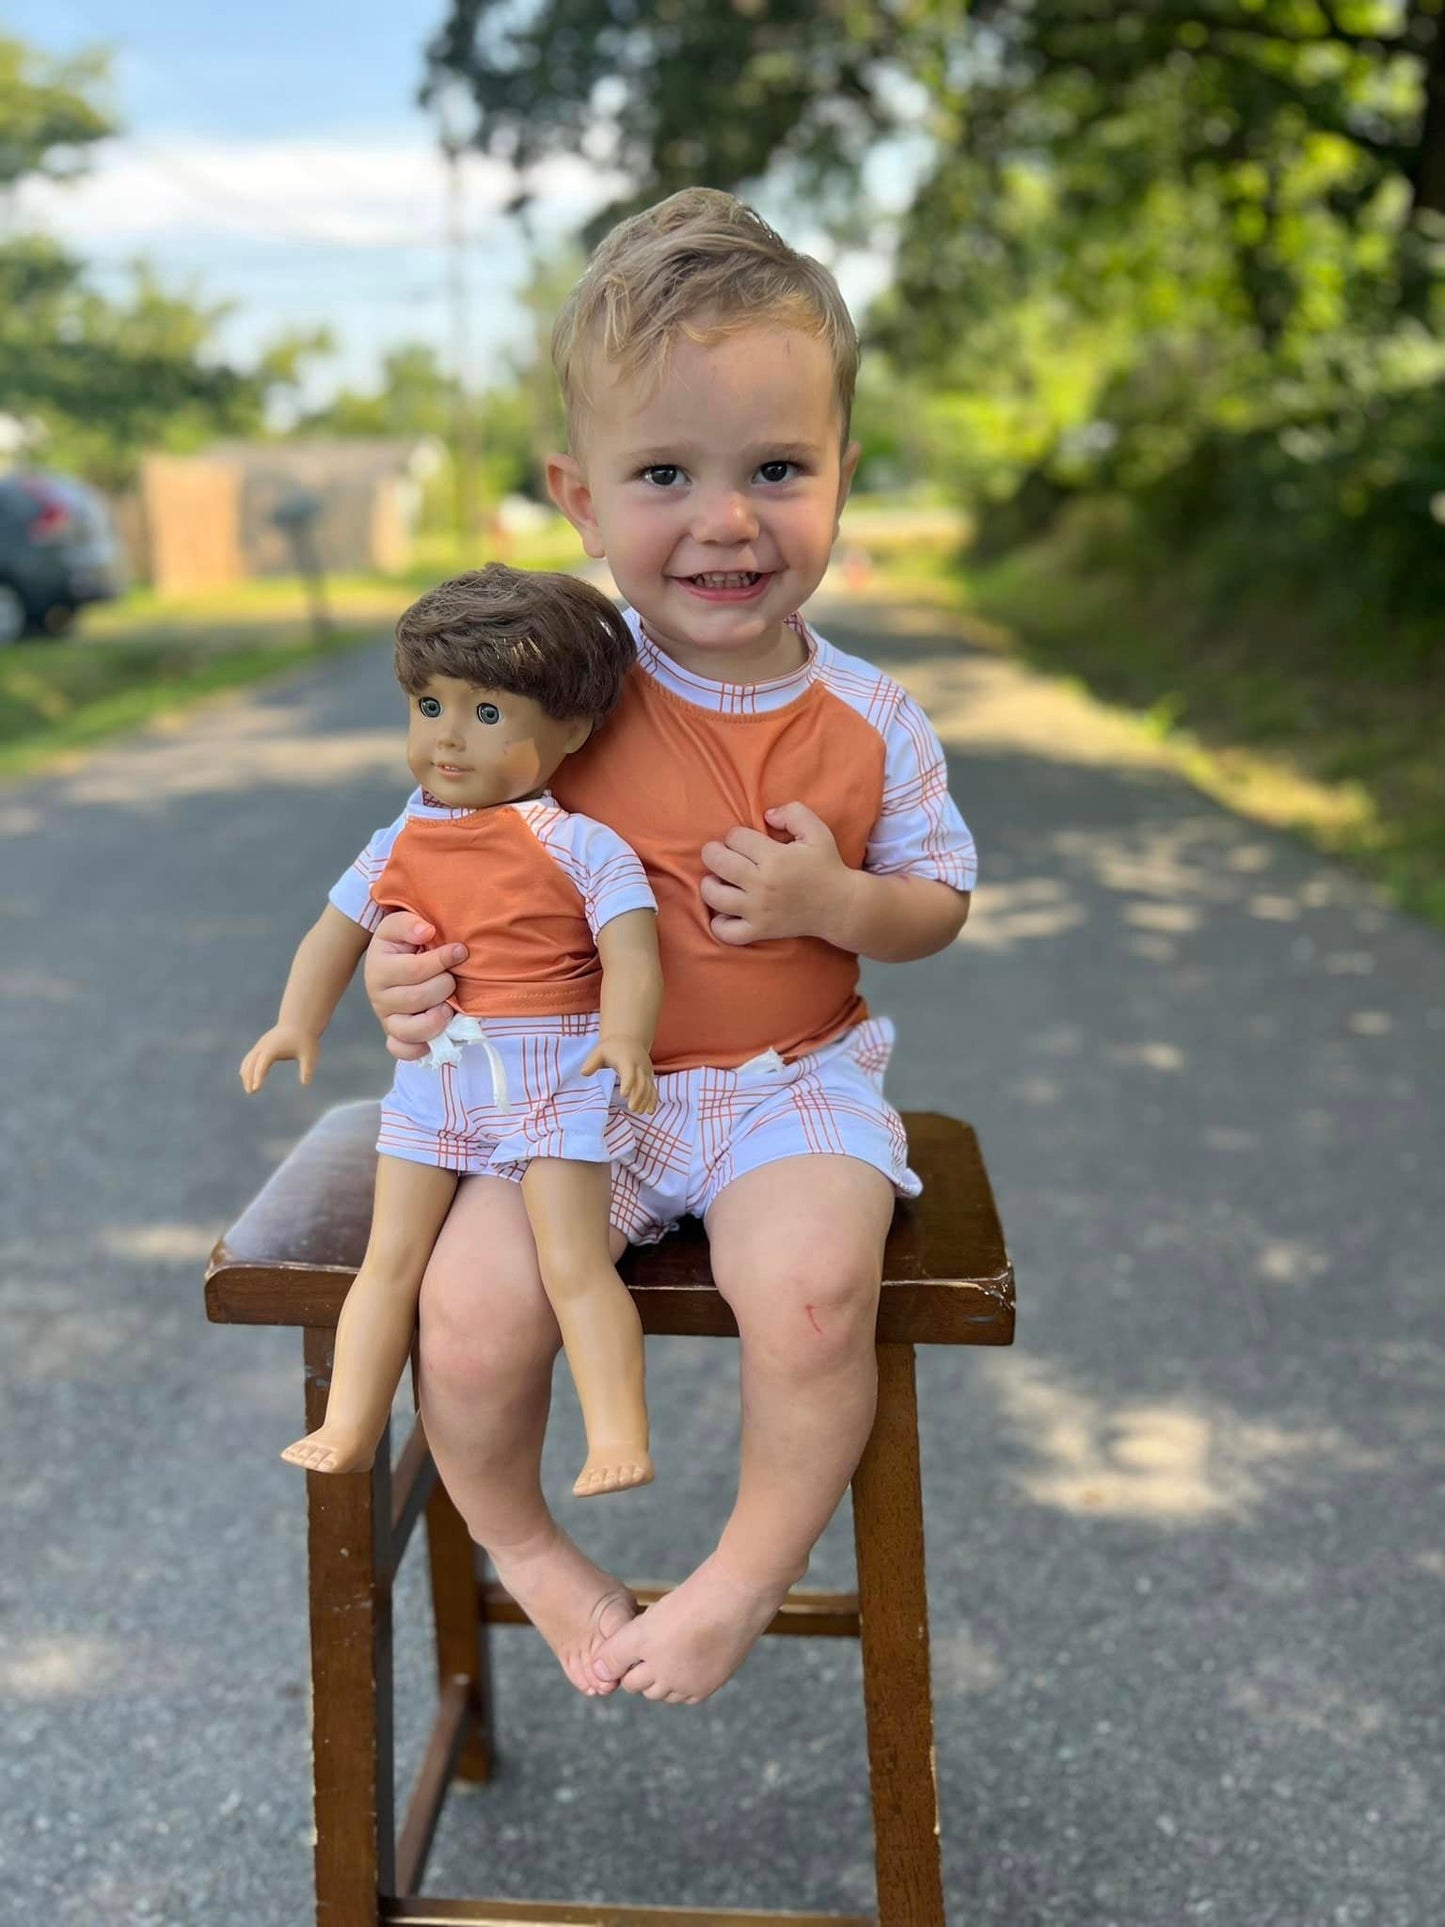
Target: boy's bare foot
[574,1604]
[613,1468]
[331,1449]
[693,1640]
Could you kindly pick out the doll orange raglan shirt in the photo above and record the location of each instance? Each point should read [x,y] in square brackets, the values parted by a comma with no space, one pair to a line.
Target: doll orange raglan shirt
[526,886]
[683,759]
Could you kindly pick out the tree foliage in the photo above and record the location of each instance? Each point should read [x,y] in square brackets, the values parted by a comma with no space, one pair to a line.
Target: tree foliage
[1189,250]
[49,116]
[672,93]
[102,377]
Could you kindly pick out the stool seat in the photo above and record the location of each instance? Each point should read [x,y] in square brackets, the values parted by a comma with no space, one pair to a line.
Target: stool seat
[289,1260]
[291,1256]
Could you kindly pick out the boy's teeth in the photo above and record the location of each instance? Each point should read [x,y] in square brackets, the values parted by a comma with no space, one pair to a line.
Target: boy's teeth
[742,580]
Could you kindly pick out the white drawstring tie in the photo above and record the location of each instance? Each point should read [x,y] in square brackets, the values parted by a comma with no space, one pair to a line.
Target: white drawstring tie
[447,1049]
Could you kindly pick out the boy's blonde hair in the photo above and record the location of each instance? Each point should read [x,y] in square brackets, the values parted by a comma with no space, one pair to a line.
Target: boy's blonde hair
[701,265]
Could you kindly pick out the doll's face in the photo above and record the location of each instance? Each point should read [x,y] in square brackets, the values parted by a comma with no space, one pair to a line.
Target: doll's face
[474,748]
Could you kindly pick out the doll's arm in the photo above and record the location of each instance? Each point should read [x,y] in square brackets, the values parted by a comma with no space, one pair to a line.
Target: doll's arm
[323,966]
[631,1000]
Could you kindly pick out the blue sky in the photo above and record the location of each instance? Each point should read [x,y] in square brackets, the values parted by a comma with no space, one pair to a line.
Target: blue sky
[274,155]
[268,68]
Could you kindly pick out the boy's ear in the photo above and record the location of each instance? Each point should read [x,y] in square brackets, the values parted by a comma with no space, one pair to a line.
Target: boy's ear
[567,486]
[578,734]
[846,470]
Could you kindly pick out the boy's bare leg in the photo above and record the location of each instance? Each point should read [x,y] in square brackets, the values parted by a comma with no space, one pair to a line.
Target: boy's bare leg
[373,1334]
[488,1342]
[601,1331]
[797,1251]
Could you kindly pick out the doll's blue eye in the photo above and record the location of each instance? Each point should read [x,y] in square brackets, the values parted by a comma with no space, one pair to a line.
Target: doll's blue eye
[488,713]
[429,706]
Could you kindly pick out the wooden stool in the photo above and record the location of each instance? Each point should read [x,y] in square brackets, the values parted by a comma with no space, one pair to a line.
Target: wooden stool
[288,1261]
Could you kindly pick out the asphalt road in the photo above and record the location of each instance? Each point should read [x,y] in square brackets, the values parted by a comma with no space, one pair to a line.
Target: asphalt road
[1187,1545]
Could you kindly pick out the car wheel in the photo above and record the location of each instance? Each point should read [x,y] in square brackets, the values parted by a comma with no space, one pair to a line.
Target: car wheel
[12,615]
[48,625]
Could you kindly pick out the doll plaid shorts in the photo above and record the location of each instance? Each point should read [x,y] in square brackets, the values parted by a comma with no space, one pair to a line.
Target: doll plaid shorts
[712,1126]
[450,1116]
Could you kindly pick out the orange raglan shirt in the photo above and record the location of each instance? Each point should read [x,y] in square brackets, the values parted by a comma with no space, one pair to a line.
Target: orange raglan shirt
[682,760]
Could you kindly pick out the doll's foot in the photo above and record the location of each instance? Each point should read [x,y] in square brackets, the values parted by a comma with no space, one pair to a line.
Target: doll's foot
[613,1468]
[574,1605]
[693,1640]
[331,1449]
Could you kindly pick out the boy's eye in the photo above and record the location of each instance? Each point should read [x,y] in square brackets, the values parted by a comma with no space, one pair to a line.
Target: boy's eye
[488,713]
[662,474]
[777,471]
[429,707]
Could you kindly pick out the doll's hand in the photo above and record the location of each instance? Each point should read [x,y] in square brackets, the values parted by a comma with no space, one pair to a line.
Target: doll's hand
[633,1066]
[760,888]
[408,987]
[280,1043]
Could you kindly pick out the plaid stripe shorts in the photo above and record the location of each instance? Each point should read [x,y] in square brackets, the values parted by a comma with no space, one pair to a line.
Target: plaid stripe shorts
[712,1126]
[450,1117]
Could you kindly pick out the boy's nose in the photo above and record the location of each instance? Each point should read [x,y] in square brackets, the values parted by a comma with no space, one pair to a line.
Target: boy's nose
[725,516]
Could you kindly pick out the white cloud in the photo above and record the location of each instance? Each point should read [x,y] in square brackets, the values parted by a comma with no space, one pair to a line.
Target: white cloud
[351,194]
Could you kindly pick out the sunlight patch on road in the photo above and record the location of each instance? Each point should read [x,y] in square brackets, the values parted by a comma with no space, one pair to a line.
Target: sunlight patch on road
[59,1666]
[1005,914]
[231,745]
[1177,1461]
[160,1243]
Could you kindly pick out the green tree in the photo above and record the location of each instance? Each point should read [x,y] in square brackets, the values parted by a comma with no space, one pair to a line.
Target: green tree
[1189,250]
[105,377]
[49,118]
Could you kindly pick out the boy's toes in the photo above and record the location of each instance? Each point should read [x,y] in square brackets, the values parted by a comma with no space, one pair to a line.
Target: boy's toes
[641,1679]
[620,1654]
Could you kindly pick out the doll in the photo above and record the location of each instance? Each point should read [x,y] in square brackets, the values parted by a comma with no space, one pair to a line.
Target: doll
[506,673]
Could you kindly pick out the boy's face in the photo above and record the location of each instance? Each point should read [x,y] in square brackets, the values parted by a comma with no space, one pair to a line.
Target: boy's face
[715,495]
[473,748]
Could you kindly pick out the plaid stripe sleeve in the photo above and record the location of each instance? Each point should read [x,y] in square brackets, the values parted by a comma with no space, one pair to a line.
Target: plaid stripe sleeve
[919,831]
[351,892]
[607,872]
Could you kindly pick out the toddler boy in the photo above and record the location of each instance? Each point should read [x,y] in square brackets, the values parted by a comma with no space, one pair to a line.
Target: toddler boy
[789,804]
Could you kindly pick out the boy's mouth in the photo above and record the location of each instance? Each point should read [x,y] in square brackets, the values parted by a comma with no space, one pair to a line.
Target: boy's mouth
[729,584]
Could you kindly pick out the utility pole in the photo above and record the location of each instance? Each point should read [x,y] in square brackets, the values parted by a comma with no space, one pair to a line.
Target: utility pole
[454,146]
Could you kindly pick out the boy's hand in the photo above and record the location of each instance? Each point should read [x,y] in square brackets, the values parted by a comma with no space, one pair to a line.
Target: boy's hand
[407,986]
[759,888]
[279,1044]
[633,1066]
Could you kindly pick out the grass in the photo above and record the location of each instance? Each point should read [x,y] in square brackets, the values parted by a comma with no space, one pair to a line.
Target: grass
[140,657]
[144,655]
[1286,712]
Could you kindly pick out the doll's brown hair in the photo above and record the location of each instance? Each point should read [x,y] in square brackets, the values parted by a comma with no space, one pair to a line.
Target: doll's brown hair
[552,638]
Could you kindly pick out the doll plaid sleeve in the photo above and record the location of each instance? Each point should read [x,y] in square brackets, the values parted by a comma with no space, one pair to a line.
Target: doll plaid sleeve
[351,892]
[607,872]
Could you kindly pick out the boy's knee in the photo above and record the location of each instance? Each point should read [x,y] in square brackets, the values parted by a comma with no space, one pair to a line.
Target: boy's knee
[486,1327]
[809,1318]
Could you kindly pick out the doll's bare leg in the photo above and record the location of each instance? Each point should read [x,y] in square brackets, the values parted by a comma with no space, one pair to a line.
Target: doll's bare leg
[601,1332]
[797,1251]
[489,1340]
[373,1334]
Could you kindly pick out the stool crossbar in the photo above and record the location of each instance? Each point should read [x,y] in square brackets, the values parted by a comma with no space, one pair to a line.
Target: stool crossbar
[289,1259]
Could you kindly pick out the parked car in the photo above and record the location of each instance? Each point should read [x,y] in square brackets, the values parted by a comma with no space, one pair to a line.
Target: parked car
[58,549]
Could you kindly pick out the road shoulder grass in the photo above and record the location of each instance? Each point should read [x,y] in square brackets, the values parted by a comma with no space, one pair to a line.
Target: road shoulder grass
[1339,744]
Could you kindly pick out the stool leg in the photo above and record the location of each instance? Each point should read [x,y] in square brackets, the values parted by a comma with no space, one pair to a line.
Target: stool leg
[348,1538]
[893,1611]
[462,1644]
